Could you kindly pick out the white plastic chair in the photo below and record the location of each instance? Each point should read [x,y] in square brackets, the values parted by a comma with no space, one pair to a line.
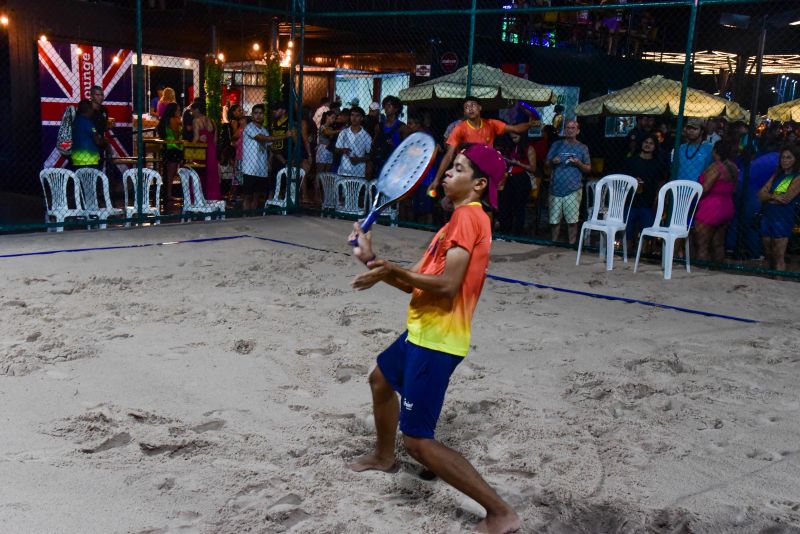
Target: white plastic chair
[149,203]
[685,197]
[352,196]
[57,206]
[284,186]
[391,211]
[327,181]
[88,178]
[610,209]
[193,199]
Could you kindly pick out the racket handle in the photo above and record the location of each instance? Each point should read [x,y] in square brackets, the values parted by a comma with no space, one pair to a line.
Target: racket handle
[366,224]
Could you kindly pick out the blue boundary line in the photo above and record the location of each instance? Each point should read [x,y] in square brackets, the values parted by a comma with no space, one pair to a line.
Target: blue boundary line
[490,276]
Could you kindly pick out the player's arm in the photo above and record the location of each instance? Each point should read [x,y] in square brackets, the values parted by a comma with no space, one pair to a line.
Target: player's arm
[446,284]
[363,252]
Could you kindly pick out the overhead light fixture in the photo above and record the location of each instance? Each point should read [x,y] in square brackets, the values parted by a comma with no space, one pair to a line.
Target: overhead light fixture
[186,62]
[115,59]
[78,50]
[256,47]
[734,20]
[4,20]
[221,56]
[43,38]
[795,23]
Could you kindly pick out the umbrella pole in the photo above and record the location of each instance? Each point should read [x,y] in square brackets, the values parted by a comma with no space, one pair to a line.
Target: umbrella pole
[684,85]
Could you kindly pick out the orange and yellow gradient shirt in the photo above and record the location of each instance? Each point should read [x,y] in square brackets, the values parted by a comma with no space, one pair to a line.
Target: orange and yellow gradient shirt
[485,134]
[441,323]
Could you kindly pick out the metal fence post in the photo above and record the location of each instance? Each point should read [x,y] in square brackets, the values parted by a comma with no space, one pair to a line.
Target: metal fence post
[749,151]
[684,85]
[140,113]
[300,62]
[471,46]
[291,144]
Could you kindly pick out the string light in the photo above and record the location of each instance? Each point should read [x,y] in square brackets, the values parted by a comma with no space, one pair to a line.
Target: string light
[221,56]
[78,50]
[43,38]
[256,47]
[186,62]
[115,59]
[4,20]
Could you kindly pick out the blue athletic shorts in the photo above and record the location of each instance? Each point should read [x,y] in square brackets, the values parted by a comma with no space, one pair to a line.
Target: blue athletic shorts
[421,377]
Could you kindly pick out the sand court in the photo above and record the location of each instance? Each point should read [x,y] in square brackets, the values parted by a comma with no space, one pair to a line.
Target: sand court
[219,385]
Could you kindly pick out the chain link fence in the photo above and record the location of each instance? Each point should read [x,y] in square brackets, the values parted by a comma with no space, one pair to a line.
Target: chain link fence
[211,108]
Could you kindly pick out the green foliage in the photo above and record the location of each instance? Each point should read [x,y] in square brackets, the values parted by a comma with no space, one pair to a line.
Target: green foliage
[213,89]
[274,84]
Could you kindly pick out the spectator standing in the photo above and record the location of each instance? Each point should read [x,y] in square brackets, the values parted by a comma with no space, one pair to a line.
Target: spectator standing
[188,122]
[101,120]
[651,173]
[569,160]
[521,156]
[279,149]
[388,133]
[475,130]
[86,141]
[324,107]
[231,151]
[694,156]
[421,203]
[169,130]
[325,140]
[715,210]
[205,131]
[154,100]
[780,198]
[255,140]
[354,144]
[167,98]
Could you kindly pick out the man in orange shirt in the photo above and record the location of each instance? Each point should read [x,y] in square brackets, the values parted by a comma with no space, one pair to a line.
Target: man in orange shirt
[474,129]
[445,285]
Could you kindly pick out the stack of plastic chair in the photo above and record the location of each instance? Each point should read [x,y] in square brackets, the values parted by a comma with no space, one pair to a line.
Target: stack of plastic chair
[352,196]
[283,188]
[194,201]
[391,211]
[327,181]
[612,202]
[57,205]
[88,178]
[684,198]
[149,202]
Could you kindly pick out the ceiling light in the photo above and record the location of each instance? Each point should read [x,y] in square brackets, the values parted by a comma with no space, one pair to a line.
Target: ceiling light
[4,20]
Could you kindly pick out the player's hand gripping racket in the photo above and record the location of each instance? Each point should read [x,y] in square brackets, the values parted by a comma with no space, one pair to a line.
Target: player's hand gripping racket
[401,173]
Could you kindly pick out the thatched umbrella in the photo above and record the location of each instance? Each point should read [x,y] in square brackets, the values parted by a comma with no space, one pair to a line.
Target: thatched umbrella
[659,96]
[493,87]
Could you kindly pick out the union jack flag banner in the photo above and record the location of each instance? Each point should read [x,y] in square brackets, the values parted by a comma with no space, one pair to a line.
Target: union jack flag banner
[67,72]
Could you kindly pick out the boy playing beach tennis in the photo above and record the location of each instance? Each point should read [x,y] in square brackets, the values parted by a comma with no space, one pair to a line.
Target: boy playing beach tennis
[445,286]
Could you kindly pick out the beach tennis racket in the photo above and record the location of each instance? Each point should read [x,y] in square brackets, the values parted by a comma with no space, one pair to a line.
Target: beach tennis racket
[401,173]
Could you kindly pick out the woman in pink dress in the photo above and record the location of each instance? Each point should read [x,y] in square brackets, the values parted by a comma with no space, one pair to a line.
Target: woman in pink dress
[206,132]
[716,208]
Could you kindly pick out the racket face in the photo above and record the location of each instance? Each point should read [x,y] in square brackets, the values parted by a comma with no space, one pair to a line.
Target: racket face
[406,165]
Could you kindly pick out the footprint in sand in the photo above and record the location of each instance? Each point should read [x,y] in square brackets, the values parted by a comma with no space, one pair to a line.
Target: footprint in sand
[345,373]
[321,351]
[285,511]
[216,424]
[244,346]
[117,440]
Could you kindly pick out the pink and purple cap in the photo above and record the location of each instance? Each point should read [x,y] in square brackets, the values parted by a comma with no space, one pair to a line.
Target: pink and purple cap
[491,163]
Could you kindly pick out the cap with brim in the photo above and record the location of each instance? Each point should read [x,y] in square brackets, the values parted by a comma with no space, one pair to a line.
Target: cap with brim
[694,123]
[491,163]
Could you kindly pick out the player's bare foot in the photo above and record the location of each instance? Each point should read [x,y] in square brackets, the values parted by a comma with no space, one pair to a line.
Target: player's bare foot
[371,462]
[505,523]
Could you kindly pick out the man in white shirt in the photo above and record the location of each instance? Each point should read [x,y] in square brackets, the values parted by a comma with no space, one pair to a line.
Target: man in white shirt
[353,144]
[255,157]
